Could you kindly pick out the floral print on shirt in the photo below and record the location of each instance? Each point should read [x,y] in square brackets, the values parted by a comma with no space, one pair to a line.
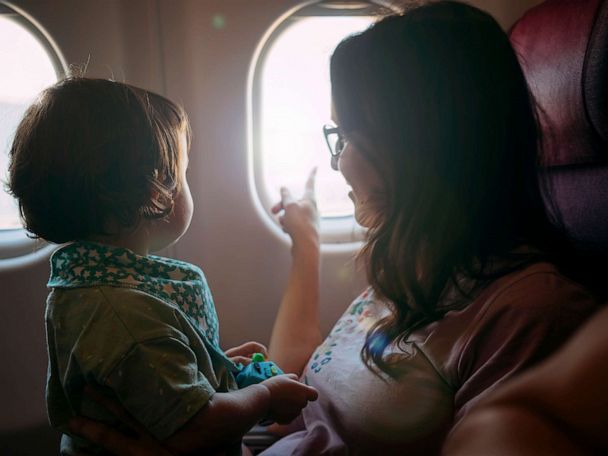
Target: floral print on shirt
[358,318]
[89,264]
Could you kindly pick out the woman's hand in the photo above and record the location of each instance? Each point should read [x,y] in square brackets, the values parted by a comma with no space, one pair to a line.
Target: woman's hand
[115,441]
[243,353]
[139,443]
[300,218]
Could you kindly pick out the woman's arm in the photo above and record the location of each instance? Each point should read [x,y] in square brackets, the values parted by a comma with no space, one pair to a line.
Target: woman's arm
[526,319]
[507,431]
[296,332]
[561,404]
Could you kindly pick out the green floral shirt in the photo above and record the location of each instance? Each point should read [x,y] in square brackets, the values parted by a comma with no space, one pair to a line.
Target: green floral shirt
[87,264]
[142,329]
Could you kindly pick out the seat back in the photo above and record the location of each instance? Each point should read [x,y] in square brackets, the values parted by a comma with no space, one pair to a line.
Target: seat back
[563,49]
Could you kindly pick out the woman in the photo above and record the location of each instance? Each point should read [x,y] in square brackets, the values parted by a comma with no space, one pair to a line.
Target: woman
[438,140]
[437,137]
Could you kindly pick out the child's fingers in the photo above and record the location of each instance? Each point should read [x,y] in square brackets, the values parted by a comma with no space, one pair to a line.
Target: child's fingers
[256,347]
[244,360]
[251,347]
[247,349]
[311,393]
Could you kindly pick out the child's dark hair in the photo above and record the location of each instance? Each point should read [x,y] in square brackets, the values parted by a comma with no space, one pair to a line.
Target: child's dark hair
[91,154]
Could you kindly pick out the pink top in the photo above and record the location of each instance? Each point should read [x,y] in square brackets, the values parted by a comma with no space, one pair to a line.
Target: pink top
[446,368]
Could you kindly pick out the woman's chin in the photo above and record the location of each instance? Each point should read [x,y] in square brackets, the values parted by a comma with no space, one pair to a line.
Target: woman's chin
[362,215]
[362,218]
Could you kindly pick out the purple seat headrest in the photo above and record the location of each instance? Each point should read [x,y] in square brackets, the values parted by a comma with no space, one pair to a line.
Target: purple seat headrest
[563,49]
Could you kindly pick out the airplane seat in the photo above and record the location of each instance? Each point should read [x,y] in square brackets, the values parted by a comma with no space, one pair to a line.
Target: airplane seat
[563,49]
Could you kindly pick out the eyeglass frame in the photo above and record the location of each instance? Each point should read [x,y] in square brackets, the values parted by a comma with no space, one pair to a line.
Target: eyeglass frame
[330,129]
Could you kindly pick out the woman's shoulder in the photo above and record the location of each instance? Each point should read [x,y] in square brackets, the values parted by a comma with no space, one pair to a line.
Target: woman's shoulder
[537,286]
[534,297]
[537,295]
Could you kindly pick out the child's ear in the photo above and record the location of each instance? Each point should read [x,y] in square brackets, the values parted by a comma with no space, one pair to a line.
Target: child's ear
[154,196]
[160,202]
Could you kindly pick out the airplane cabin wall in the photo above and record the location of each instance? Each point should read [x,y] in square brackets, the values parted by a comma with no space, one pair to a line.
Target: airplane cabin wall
[172,47]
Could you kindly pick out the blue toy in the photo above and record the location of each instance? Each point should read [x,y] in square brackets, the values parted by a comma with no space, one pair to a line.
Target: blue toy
[257,371]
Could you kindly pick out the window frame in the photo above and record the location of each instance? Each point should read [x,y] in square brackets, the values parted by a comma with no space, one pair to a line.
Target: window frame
[17,248]
[336,233]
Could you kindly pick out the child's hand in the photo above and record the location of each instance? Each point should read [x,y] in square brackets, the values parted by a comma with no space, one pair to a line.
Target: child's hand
[288,397]
[300,219]
[243,353]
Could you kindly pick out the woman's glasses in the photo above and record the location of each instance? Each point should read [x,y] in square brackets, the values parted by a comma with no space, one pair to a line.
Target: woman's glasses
[335,141]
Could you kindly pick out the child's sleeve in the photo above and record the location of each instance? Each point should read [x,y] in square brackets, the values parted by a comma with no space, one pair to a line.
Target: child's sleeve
[159,383]
[134,345]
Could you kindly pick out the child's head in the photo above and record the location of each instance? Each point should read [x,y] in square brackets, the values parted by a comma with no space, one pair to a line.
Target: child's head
[94,157]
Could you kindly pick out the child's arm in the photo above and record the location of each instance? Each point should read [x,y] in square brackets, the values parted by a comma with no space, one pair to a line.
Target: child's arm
[296,332]
[222,422]
[132,348]
[228,416]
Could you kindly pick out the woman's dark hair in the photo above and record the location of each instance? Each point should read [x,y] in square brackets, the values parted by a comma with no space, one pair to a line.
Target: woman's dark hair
[91,153]
[441,101]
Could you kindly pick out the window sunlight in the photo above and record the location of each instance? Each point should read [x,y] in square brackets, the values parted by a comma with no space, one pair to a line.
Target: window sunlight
[26,70]
[296,103]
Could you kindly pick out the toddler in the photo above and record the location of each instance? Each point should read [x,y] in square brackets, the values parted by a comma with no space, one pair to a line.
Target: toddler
[100,166]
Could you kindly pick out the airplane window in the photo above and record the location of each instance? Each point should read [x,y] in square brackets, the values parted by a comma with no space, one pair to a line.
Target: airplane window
[29,63]
[291,101]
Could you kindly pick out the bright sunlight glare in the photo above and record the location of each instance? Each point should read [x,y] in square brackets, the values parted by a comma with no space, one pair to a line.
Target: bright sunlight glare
[26,70]
[296,103]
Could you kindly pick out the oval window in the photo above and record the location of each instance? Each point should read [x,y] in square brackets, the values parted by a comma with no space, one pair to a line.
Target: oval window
[30,62]
[290,101]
